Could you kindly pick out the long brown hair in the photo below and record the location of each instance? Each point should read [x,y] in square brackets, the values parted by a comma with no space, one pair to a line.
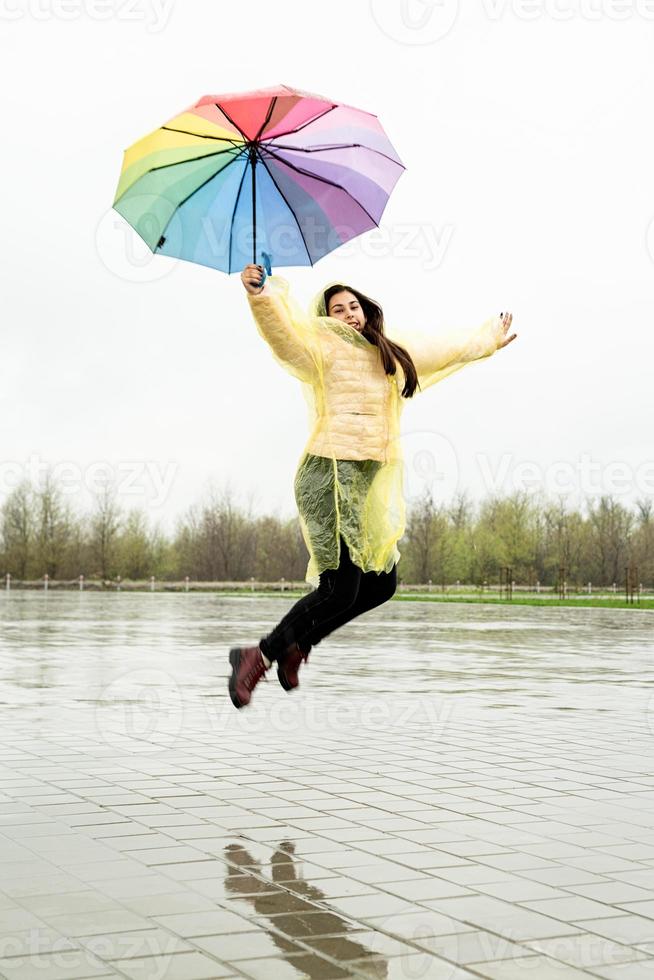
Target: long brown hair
[373,331]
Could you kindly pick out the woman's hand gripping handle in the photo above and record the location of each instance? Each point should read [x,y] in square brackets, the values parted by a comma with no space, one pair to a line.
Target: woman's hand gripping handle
[253,277]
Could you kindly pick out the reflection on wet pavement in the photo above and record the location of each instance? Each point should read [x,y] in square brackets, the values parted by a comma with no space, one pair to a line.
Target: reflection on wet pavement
[291,916]
[455,791]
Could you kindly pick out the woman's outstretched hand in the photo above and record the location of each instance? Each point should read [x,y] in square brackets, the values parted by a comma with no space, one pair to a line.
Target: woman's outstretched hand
[252,277]
[506,323]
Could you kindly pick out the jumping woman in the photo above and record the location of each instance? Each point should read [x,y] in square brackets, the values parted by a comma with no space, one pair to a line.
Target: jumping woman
[348,484]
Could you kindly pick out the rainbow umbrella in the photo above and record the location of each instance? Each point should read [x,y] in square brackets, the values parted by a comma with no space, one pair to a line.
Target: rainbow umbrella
[277,173]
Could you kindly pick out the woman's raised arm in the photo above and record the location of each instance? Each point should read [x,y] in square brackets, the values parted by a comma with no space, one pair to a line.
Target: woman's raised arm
[438,355]
[282,324]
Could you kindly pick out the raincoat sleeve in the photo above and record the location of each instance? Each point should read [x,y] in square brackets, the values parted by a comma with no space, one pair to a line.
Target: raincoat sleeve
[289,332]
[436,356]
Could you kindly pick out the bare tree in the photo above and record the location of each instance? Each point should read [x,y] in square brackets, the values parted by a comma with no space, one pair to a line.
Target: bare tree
[643,541]
[134,546]
[280,549]
[18,530]
[104,524]
[421,538]
[460,510]
[645,508]
[610,528]
[54,525]
[217,539]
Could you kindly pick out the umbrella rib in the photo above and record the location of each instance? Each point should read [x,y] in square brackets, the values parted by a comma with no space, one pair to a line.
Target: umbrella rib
[195,190]
[273,102]
[201,136]
[177,163]
[231,223]
[283,196]
[323,180]
[334,146]
[202,156]
[290,132]
[229,118]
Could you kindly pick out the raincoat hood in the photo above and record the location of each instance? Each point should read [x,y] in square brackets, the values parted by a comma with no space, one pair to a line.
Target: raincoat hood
[317,309]
[317,305]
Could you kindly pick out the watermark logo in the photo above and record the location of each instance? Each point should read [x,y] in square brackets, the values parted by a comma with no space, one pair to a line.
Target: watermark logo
[431,467]
[122,248]
[415,22]
[140,711]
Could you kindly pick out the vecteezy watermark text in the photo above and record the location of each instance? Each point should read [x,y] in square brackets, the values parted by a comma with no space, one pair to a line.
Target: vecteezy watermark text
[155,14]
[584,475]
[124,253]
[421,22]
[147,478]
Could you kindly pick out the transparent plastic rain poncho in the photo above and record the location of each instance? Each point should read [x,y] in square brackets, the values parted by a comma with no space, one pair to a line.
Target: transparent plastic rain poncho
[349,479]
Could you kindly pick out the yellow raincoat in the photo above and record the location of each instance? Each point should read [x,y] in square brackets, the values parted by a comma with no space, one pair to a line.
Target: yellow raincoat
[349,480]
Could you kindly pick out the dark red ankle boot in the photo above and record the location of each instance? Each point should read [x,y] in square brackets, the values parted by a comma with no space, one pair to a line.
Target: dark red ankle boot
[247,670]
[288,667]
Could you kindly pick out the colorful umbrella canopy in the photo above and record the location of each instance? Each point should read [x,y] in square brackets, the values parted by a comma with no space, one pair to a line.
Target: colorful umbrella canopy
[275,171]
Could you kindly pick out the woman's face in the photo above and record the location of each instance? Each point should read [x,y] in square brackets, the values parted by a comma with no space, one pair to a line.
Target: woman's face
[345,306]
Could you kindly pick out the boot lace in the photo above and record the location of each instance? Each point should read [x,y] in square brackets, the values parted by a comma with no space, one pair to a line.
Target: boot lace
[257,671]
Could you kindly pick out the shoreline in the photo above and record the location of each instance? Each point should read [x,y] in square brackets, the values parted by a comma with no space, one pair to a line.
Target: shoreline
[294,590]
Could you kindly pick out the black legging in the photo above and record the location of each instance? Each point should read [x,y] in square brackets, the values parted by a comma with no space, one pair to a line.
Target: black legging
[343,593]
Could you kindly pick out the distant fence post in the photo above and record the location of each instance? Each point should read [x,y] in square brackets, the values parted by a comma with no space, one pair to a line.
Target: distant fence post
[631,577]
[186,580]
[251,583]
[282,583]
[81,583]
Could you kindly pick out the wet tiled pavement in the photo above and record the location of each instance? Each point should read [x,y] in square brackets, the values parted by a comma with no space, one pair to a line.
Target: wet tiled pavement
[393,825]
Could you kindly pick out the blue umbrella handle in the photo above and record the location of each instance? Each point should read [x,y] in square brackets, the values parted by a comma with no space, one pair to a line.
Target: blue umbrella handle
[267,268]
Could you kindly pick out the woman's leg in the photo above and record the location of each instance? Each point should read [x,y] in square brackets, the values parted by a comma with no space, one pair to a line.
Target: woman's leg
[374,589]
[336,593]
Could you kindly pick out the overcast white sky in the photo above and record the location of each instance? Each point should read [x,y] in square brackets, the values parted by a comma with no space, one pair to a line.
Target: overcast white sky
[527,134]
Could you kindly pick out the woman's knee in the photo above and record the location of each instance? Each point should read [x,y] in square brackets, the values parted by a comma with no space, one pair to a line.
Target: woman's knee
[378,588]
[390,584]
[339,589]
